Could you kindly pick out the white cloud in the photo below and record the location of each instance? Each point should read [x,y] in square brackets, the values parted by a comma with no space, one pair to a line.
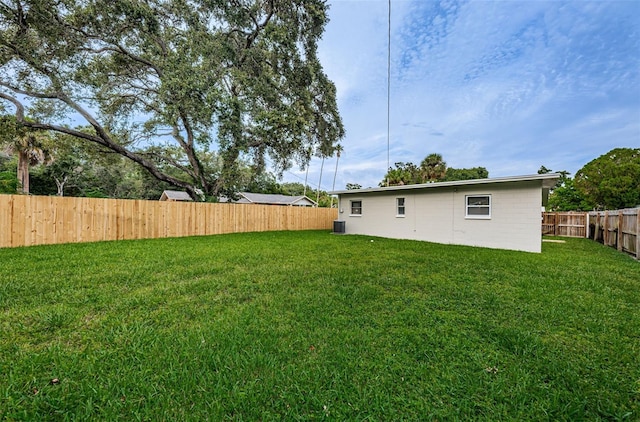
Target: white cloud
[509,86]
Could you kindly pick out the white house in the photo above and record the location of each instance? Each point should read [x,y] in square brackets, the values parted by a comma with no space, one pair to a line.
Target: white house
[502,213]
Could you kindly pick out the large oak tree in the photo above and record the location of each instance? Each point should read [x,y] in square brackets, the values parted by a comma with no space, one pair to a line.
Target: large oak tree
[238,76]
[611,181]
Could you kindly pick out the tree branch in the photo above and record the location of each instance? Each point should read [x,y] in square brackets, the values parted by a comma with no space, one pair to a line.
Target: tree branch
[171,161]
[259,26]
[102,139]
[18,104]
[139,59]
[33,94]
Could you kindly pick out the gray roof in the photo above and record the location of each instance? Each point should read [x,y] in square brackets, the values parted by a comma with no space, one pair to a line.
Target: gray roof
[548,181]
[176,195]
[274,199]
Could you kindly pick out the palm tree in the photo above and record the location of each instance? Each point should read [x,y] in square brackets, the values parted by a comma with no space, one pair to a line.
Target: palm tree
[31,149]
[433,168]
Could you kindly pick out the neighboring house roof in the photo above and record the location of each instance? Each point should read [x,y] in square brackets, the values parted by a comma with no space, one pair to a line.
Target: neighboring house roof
[175,195]
[548,181]
[273,199]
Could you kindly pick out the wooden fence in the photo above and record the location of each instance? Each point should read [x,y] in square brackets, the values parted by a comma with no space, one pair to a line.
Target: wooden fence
[618,229]
[570,224]
[37,220]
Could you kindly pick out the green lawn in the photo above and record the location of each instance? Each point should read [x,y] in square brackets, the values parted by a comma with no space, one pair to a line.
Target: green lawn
[313,326]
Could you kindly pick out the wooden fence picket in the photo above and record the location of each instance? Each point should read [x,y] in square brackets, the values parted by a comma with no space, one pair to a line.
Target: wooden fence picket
[618,229]
[569,224]
[38,220]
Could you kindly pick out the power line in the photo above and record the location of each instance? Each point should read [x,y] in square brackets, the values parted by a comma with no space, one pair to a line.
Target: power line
[295,175]
[388,89]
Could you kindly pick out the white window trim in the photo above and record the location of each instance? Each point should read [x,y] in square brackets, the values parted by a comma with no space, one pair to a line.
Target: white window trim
[404,206]
[351,208]
[474,216]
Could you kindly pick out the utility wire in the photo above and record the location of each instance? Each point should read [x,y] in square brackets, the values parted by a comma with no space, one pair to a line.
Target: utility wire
[388,89]
[304,179]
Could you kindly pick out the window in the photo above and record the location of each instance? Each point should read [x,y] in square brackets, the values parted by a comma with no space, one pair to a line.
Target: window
[478,206]
[399,207]
[356,207]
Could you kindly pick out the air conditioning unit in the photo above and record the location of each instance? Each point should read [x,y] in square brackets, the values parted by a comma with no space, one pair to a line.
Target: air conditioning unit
[339,226]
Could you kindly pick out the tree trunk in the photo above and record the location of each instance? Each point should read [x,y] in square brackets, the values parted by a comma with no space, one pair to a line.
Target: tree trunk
[23,172]
[60,184]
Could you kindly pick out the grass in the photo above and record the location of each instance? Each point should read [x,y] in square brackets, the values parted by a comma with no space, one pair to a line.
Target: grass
[310,326]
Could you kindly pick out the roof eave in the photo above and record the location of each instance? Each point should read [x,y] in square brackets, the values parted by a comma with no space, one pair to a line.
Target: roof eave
[548,181]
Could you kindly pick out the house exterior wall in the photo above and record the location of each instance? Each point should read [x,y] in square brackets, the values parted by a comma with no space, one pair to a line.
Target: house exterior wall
[439,215]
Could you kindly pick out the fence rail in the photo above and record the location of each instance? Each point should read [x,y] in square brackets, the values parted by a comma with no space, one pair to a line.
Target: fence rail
[569,224]
[618,229]
[38,220]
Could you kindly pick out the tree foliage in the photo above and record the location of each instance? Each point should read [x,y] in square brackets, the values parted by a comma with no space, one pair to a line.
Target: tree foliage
[466,174]
[31,146]
[82,169]
[544,170]
[8,179]
[241,77]
[432,168]
[8,182]
[298,189]
[86,170]
[612,181]
[402,174]
[566,197]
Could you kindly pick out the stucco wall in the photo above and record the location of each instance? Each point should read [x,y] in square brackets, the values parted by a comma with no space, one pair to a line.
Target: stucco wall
[438,215]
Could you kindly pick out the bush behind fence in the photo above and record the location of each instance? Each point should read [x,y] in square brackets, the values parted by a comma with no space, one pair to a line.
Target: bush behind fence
[39,220]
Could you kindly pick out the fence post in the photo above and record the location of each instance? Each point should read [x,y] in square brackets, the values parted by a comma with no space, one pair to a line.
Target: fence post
[601,226]
[555,224]
[619,228]
[587,227]
[638,233]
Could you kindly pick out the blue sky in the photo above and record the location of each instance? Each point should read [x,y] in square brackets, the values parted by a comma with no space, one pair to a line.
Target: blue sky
[508,85]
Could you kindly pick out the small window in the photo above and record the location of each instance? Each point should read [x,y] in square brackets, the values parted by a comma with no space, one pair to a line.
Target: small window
[478,206]
[399,207]
[356,207]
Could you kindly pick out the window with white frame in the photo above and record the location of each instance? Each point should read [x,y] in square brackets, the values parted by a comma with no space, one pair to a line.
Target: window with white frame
[399,207]
[356,207]
[478,206]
